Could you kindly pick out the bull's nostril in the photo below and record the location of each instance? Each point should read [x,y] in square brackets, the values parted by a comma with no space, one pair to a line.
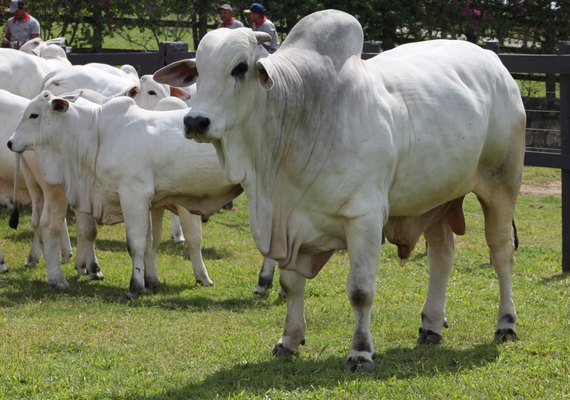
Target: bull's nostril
[9,144]
[196,124]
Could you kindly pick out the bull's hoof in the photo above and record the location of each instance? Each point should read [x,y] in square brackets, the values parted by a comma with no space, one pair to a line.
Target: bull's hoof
[96,276]
[505,335]
[429,337]
[65,258]
[205,282]
[59,285]
[261,291]
[360,364]
[31,263]
[281,351]
[130,295]
[3,269]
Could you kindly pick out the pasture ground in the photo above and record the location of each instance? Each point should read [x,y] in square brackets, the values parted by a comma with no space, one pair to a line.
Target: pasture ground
[191,342]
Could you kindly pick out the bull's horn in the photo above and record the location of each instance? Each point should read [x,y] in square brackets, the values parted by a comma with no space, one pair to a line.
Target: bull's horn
[262,37]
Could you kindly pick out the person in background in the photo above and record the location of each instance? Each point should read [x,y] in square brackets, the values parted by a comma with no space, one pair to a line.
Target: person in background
[227,16]
[257,15]
[21,27]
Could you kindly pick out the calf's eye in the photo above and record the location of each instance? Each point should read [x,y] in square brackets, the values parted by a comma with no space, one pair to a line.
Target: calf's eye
[152,92]
[239,70]
[33,116]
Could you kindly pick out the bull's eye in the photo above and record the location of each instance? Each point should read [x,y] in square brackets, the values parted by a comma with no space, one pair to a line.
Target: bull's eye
[239,70]
[152,92]
[33,116]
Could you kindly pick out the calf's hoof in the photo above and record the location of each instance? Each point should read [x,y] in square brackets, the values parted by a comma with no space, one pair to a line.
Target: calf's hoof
[505,335]
[360,364]
[281,351]
[429,337]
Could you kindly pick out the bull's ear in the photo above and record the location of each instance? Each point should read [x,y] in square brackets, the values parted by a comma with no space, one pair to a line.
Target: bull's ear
[59,105]
[180,73]
[265,68]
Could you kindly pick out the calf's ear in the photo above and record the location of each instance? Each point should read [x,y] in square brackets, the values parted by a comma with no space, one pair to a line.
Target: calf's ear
[180,73]
[59,105]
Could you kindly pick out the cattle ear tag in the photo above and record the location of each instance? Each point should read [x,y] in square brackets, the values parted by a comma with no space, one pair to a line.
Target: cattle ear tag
[59,105]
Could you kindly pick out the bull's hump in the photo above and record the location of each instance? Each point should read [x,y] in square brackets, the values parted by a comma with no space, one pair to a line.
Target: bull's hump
[331,33]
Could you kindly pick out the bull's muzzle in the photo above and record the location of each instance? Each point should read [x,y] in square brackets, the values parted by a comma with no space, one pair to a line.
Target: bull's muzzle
[196,125]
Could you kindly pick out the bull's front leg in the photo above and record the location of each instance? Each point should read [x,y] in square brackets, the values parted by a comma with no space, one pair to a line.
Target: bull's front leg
[136,215]
[192,228]
[441,252]
[364,236]
[295,326]
[86,262]
[51,225]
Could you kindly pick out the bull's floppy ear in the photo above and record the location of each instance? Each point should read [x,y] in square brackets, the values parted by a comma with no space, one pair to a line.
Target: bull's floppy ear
[59,105]
[180,73]
[265,68]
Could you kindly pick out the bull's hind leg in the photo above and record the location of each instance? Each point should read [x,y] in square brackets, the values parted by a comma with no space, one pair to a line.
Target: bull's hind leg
[441,252]
[500,239]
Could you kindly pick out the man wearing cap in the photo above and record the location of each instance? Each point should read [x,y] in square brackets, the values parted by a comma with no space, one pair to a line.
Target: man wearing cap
[228,21]
[21,27]
[259,22]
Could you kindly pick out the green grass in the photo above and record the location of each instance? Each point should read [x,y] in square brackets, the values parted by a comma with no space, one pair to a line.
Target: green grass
[190,342]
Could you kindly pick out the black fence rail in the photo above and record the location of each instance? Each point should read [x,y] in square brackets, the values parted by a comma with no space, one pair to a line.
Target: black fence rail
[555,64]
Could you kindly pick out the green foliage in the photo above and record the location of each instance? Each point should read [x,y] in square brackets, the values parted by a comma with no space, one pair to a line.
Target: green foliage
[534,26]
[190,342]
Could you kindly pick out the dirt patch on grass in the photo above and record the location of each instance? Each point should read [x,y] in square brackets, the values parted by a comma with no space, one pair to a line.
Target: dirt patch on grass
[550,188]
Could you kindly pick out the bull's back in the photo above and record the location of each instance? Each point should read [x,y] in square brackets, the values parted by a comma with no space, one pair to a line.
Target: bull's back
[457,115]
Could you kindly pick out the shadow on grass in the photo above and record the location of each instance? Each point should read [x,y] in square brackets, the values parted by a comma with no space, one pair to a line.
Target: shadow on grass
[327,373]
[556,278]
[21,287]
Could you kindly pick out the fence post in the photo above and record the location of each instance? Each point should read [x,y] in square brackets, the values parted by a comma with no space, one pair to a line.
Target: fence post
[493,45]
[564,50]
[167,49]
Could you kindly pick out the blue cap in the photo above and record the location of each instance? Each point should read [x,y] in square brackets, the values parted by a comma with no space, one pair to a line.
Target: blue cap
[257,8]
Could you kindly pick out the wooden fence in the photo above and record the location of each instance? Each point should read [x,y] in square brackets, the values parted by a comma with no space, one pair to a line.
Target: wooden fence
[558,64]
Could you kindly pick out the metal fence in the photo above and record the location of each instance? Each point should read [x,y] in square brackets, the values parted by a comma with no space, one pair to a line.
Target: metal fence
[557,64]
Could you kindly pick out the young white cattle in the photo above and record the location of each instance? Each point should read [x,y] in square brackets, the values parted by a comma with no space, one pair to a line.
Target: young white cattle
[114,161]
[331,148]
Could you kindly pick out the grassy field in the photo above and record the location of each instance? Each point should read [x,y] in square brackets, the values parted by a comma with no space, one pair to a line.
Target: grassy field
[191,342]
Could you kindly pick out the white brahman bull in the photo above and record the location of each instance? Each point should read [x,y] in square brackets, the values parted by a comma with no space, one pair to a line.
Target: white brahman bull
[330,149]
[115,160]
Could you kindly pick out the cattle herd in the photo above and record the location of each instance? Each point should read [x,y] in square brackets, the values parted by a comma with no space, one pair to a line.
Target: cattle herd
[332,151]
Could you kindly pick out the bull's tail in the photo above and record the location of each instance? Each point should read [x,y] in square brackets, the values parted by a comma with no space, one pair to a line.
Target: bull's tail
[15,217]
